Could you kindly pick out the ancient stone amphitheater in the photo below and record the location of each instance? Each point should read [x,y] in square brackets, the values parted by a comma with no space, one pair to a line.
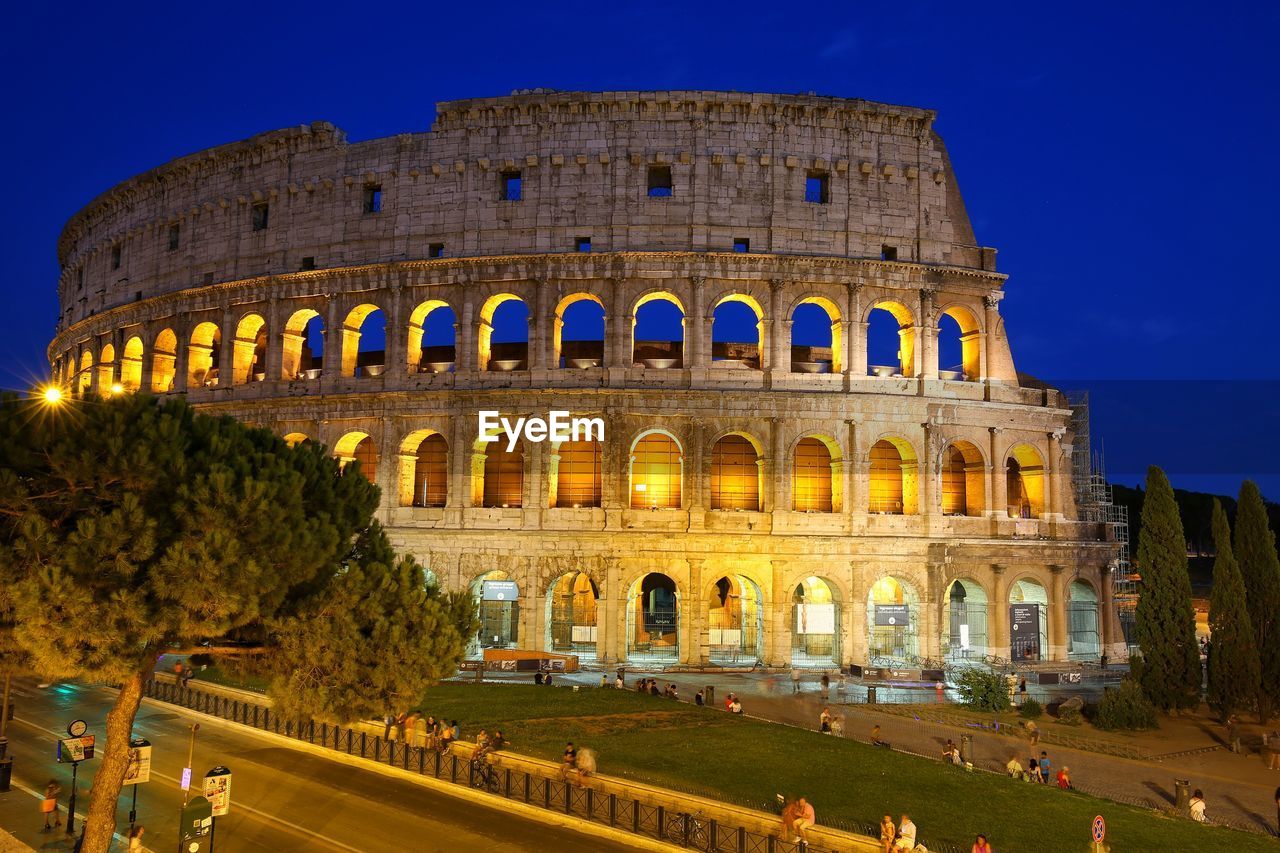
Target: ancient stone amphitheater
[776,496]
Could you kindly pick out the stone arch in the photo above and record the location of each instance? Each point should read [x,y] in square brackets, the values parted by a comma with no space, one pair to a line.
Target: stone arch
[501,355]
[962,475]
[293,439]
[735,619]
[298,361]
[966,339]
[424,469]
[498,475]
[131,364]
[497,597]
[893,481]
[815,619]
[84,374]
[1027,645]
[737,472]
[164,357]
[359,447]
[657,353]
[107,370]
[358,361]
[1025,481]
[424,356]
[573,615]
[1084,635]
[817,481]
[965,619]
[249,350]
[819,356]
[655,473]
[653,618]
[204,352]
[902,315]
[579,352]
[725,352]
[893,618]
[575,474]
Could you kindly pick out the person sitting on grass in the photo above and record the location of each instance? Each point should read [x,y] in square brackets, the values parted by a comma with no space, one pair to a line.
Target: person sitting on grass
[1064,778]
[1014,769]
[875,736]
[735,707]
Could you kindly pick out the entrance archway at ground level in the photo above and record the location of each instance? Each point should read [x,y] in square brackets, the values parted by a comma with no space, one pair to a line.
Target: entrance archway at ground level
[498,600]
[653,619]
[893,612]
[571,615]
[735,619]
[815,623]
[1028,621]
[964,620]
[1083,639]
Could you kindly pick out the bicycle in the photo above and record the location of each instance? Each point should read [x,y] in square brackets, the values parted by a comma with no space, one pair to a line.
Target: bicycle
[688,831]
[483,775]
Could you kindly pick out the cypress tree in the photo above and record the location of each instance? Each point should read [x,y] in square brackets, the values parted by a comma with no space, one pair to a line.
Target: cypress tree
[1166,621]
[1233,654]
[1255,550]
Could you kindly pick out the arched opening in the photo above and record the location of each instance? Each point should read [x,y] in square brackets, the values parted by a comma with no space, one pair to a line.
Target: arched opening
[504,334]
[303,346]
[106,369]
[503,475]
[1028,621]
[576,479]
[816,345]
[815,483]
[164,357]
[735,474]
[84,376]
[497,599]
[737,332]
[571,615]
[735,618]
[364,342]
[1083,640]
[815,623]
[360,448]
[656,472]
[963,478]
[890,340]
[131,365]
[293,439]
[964,620]
[657,337]
[959,345]
[249,350]
[892,618]
[578,334]
[1024,481]
[203,355]
[424,471]
[433,338]
[653,619]
[893,487]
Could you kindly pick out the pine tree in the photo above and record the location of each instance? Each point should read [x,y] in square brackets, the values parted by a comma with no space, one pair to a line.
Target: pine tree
[130,526]
[1166,621]
[1233,654]
[1255,551]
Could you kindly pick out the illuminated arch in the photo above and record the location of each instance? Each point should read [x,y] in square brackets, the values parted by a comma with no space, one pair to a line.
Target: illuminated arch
[657,354]
[894,477]
[802,357]
[572,616]
[891,632]
[738,352]
[963,474]
[815,621]
[816,481]
[656,475]
[106,369]
[358,447]
[297,360]
[1029,645]
[354,360]
[435,362]
[498,474]
[735,620]
[84,376]
[501,355]
[1025,481]
[164,356]
[736,472]
[293,439]
[575,477]
[964,620]
[424,469]
[249,350]
[968,338]
[499,615]
[1084,640]
[131,364]
[653,618]
[586,352]
[203,353]
[905,361]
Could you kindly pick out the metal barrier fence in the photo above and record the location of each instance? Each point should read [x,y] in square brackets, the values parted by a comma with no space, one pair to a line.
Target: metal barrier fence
[673,826]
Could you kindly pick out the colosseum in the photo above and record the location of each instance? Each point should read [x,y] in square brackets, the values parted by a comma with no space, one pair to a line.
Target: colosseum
[784,497]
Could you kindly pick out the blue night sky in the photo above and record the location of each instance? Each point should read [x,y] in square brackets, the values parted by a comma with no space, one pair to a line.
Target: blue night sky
[1121,157]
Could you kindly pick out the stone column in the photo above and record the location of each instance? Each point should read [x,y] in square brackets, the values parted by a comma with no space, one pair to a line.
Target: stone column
[855,610]
[396,355]
[778,334]
[180,360]
[334,339]
[998,614]
[697,327]
[531,616]
[466,338]
[990,321]
[695,485]
[608,625]
[696,651]
[927,491]
[779,648]
[927,354]
[775,470]
[541,323]
[999,506]
[227,351]
[1057,632]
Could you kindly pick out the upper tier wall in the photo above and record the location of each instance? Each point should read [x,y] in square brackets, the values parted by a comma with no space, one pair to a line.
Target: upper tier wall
[738,166]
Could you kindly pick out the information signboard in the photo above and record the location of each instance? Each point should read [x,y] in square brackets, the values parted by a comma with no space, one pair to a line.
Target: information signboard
[75,748]
[217,790]
[139,767]
[499,591]
[893,615]
[1024,631]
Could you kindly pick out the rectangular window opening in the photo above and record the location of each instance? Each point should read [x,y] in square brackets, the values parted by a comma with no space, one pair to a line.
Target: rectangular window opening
[174,233]
[115,256]
[584,244]
[435,250]
[741,244]
[512,186]
[659,182]
[308,263]
[259,215]
[888,253]
[80,278]
[817,188]
[373,198]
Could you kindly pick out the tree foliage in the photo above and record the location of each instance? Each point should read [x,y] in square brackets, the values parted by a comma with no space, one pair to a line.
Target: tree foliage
[1166,621]
[371,642]
[983,690]
[1126,708]
[1233,653]
[1255,551]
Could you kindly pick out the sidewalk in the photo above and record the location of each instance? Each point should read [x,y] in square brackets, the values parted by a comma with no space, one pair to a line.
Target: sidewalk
[20,821]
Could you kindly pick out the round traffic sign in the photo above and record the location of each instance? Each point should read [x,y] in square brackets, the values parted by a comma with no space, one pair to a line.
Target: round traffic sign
[1099,829]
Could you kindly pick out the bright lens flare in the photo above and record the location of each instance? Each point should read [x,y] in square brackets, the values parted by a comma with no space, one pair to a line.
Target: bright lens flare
[52,394]
[117,388]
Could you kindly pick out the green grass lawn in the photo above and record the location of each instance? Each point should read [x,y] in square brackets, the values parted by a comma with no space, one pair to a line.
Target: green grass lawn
[703,750]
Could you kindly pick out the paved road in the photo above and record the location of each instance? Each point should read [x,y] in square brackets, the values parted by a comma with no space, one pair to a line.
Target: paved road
[282,799]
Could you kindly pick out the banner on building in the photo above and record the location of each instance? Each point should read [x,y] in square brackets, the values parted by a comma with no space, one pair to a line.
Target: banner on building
[1024,632]
[815,618]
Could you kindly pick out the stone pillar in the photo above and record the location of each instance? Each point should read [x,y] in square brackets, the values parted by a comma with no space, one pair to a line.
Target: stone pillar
[926,494]
[695,483]
[998,614]
[334,339]
[227,351]
[541,322]
[860,479]
[927,354]
[388,475]
[396,355]
[531,617]
[1112,635]
[990,321]
[697,327]
[855,610]
[466,338]
[274,357]
[776,470]
[779,649]
[778,334]
[180,360]
[693,616]
[1058,594]
[609,627]
[999,505]
[459,485]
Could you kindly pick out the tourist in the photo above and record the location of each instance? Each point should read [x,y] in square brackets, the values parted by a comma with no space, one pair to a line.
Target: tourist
[805,819]
[981,845]
[1014,769]
[1033,731]
[497,741]
[673,692]
[875,736]
[402,722]
[946,750]
[537,677]
[698,700]
[1045,772]
[135,838]
[586,764]
[824,721]
[952,754]
[604,680]
[546,679]
[788,831]
[837,725]
[1278,810]
[618,683]
[1064,778]
[482,740]
[49,805]
[568,761]
[728,700]
[653,687]
[1197,806]
[1022,691]
[906,833]
[735,707]
[795,680]
[888,832]
[1033,769]
[826,687]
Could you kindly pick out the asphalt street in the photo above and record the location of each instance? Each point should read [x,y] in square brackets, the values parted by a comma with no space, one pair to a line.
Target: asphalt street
[282,799]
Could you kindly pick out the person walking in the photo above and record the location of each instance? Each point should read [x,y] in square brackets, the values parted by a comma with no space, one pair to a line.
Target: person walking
[826,687]
[805,819]
[698,700]
[135,838]
[1022,691]
[1033,731]
[887,833]
[49,805]
[1064,778]
[981,845]
[795,680]
[1197,806]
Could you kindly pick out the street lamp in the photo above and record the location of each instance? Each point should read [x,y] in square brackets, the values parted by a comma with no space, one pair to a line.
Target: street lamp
[117,388]
[52,395]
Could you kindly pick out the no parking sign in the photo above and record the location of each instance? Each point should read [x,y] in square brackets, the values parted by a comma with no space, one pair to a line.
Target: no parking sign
[1099,829]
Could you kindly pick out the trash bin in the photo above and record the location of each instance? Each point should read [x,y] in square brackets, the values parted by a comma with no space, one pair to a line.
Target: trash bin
[6,773]
[871,695]
[1182,795]
[709,695]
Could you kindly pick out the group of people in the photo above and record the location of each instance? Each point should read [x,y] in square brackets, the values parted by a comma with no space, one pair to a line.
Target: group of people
[797,819]
[1039,770]
[577,764]
[650,686]
[413,729]
[831,724]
